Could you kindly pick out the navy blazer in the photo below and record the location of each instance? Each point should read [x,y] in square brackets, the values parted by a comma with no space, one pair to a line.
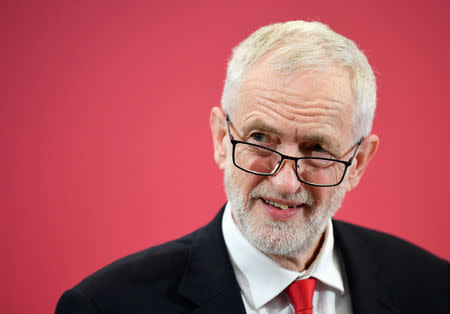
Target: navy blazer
[194,275]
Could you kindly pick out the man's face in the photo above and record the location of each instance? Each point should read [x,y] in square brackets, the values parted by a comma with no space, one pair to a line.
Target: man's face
[304,114]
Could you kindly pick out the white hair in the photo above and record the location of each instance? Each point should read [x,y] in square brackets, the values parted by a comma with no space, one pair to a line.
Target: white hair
[305,46]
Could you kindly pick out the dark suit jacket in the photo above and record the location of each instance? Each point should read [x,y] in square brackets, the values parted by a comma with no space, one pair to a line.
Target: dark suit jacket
[194,275]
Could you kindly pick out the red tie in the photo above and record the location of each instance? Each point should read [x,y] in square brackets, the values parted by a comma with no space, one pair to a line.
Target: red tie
[300,293]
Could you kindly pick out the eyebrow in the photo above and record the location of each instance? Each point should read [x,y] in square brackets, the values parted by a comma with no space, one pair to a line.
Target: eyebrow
[260,125]
[324,140]
[316,138]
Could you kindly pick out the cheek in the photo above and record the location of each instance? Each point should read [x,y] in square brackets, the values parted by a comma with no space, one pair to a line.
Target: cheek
[245,181]
[320,195]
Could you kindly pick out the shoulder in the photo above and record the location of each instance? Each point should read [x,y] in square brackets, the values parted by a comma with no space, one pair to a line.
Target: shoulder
[387,247]
[152,280]
[395,267]
[161,261]
[139,280]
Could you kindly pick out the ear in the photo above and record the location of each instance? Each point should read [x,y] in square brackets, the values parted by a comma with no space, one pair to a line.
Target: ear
[219,132]
[366,151]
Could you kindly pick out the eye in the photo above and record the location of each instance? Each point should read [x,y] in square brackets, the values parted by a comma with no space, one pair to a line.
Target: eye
[258,137]
[317,148]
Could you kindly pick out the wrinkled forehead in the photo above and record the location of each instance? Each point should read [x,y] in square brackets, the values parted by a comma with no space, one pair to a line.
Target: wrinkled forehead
[327,81]
[316,98]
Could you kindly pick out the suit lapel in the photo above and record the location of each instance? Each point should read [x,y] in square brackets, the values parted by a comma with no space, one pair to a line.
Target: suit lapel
[362,271]
[209,281]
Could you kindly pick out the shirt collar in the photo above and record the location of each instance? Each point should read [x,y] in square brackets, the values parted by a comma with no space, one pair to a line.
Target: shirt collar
[261,278]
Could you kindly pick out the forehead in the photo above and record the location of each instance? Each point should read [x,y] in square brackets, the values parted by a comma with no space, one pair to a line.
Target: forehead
[305,104]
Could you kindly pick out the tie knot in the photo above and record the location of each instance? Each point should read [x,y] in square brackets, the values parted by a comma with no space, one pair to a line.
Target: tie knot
[300,294]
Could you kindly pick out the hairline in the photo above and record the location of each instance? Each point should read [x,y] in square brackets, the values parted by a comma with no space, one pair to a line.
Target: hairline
[296,43]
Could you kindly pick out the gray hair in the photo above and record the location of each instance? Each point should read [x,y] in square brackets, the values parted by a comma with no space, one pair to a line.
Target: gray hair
[305,46]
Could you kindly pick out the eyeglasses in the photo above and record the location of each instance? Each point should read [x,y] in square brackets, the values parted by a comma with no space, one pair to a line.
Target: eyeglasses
[263,161]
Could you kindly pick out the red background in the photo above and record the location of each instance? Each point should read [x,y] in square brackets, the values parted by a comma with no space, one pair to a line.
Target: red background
[106,148]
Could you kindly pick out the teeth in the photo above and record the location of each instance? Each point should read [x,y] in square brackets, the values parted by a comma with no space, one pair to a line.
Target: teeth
[281,206]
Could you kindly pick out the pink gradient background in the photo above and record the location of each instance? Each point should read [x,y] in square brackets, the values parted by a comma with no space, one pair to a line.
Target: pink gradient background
[103,104]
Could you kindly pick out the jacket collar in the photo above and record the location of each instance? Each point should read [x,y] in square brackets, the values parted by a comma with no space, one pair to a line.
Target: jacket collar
[209,280]
[363,274]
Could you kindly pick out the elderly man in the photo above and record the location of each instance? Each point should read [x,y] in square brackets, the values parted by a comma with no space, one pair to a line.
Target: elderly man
[292,137]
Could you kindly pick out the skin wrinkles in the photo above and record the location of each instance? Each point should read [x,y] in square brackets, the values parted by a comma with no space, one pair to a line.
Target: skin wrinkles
[295,106]
[286,96]
[259,124]
[298,113]
[310,110]
[297,117]
[319,112]
[300,105]
[320,131]
[282,89]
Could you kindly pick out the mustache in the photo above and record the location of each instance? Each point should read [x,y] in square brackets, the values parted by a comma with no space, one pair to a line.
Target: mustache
[261,191]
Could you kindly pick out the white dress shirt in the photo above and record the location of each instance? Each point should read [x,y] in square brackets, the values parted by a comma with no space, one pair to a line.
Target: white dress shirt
[262,280]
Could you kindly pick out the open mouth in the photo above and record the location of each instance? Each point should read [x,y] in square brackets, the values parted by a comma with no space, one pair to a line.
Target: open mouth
[279,205]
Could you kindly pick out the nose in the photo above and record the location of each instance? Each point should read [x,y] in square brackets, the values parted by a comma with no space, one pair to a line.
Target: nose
[285,180]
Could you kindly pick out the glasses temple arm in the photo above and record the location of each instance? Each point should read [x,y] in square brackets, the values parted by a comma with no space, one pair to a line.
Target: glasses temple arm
[228,125]
[356,149]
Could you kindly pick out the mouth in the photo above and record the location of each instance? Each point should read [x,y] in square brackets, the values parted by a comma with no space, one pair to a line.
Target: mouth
[281,206]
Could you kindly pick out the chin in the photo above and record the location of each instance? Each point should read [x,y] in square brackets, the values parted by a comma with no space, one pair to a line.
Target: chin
[291,237]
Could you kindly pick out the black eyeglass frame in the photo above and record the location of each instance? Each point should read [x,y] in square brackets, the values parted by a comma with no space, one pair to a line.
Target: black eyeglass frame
[295,159]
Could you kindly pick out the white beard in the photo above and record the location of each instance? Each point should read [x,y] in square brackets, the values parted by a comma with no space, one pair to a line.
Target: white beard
[282,238]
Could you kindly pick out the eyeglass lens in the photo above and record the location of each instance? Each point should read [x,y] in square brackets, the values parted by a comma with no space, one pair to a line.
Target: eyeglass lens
[260,160]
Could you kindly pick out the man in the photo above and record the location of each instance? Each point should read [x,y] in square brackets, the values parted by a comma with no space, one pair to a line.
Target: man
[293,137]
